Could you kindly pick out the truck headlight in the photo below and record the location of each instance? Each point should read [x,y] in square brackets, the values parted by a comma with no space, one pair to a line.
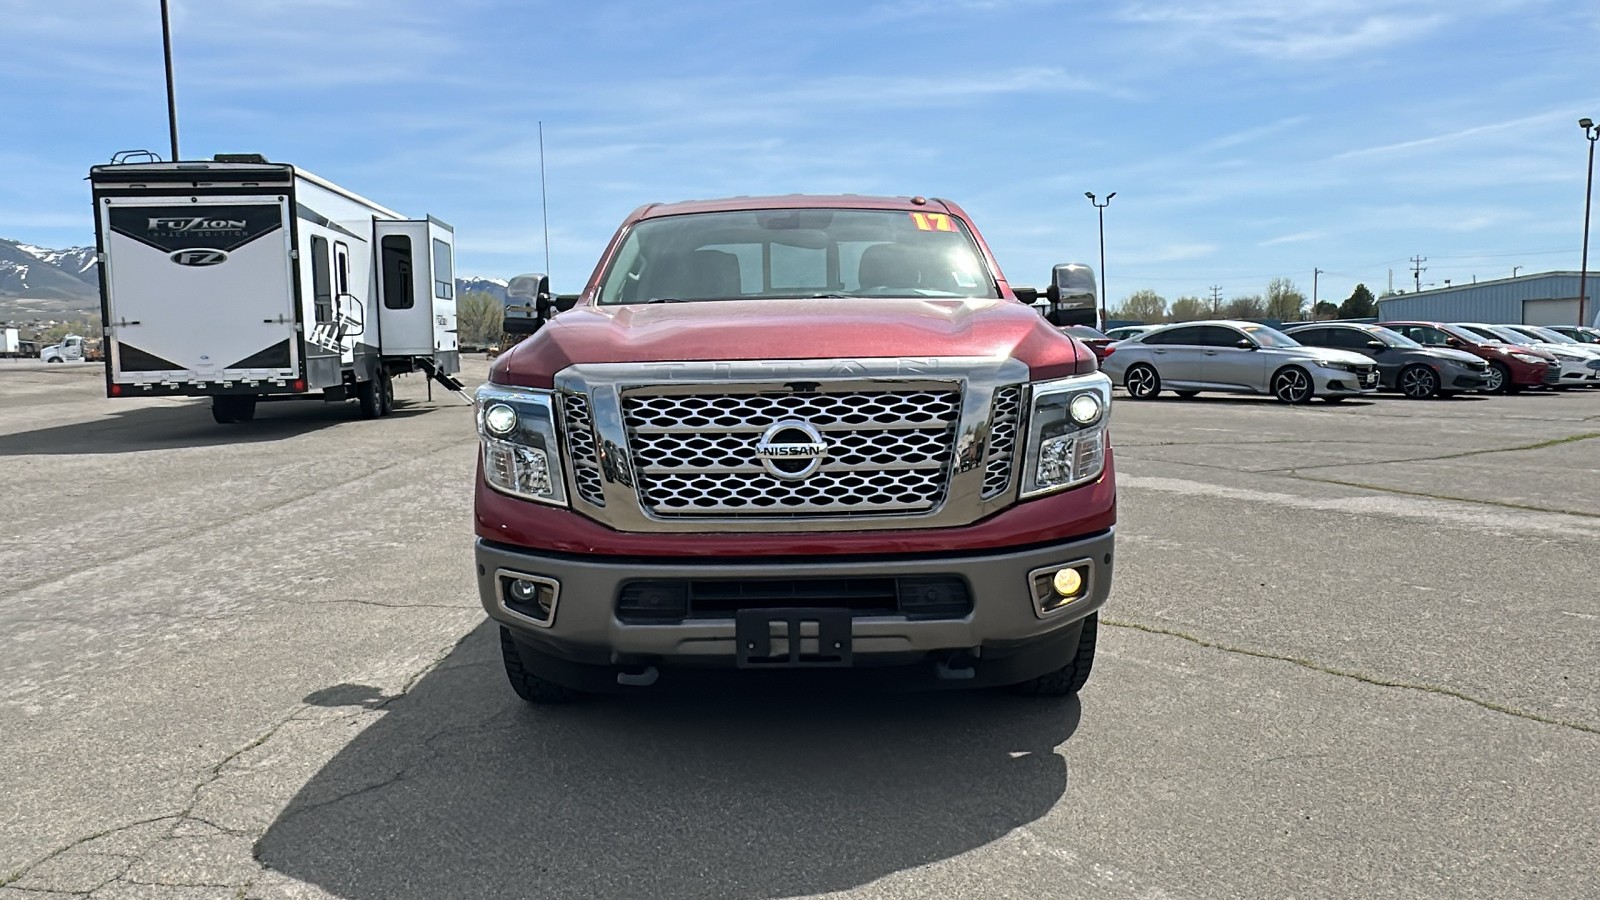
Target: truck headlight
[1066,433]
[517,431]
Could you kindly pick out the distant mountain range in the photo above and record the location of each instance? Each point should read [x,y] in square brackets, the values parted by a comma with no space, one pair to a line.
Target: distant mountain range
[40,283]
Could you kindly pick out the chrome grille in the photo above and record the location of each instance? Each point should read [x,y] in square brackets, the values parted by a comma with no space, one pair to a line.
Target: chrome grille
[581,449]
[1002,440]
[888,451]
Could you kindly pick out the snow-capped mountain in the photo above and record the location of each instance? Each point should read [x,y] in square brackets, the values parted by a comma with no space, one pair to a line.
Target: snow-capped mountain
[71,281]
[33,272]
[495,287]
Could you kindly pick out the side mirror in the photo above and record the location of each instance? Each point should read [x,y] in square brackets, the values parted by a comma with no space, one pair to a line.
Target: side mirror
[1452,342]
[1377,345]
[1071,298]
[527,303]
[1245,344]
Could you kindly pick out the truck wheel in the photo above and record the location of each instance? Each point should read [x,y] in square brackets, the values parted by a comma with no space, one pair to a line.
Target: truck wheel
[529,686]
[1070,678]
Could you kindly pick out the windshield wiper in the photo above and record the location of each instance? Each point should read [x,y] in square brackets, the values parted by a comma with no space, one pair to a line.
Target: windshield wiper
[664,300]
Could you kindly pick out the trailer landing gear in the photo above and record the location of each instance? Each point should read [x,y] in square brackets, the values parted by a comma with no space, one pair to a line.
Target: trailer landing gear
[228,409]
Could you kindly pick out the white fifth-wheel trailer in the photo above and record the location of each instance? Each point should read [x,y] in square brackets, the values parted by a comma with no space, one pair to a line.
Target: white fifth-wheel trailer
[244,280]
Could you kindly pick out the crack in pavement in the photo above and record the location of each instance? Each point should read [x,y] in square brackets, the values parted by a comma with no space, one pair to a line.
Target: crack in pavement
[215,772]
[102,561]
[1553,442]
[1356,676]
[1505,504]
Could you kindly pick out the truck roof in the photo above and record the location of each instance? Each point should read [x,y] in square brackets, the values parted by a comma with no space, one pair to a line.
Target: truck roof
[791,201]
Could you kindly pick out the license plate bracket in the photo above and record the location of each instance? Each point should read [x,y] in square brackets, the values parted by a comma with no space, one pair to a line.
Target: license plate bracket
[834,638]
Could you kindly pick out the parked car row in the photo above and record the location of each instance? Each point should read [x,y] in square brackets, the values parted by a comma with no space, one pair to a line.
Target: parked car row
[1335,360]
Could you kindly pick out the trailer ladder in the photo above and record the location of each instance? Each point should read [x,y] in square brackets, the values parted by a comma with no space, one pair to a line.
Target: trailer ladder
[431,367]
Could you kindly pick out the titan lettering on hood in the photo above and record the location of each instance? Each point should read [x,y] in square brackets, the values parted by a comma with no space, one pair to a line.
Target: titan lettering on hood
[172,228]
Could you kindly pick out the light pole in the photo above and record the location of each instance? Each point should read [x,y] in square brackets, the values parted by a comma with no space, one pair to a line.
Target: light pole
[172,99]
[1590,132]
[1102,208]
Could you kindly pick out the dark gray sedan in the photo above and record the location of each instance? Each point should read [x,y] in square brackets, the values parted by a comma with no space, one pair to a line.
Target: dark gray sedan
[1404,365]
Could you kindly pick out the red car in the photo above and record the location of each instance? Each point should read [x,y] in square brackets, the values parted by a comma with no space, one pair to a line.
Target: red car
[1091,338]
[1511,367]
[793,433]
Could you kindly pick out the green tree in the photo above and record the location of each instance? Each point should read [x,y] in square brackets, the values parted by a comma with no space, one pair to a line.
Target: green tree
[1285,302]
[1188,309]
[1359,305]
[1143,306]
[478,318]
[1247,307]
[1326,309]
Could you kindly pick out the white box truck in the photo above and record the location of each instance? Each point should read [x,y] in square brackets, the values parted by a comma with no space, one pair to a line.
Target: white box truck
[244,280]
[10,343]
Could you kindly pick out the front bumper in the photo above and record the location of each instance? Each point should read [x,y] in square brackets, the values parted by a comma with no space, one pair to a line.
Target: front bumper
[1003,638]
[1342,383]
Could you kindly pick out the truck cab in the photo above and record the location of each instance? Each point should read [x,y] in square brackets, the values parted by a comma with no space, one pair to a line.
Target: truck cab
[69,350]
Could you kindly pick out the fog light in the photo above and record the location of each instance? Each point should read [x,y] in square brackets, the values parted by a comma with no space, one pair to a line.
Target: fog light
[528,597]
[525,591]
[1067,582]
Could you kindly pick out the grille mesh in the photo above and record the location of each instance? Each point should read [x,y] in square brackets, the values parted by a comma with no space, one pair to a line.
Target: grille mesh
[581,449]
[1002,440]
[888,451]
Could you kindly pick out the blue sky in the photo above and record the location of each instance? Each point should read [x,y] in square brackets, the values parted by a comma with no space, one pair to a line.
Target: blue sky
[1245,139]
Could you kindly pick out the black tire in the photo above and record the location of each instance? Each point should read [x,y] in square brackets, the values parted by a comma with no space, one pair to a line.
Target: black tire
[1499,379]
[1293,385]
[1070,678]
[371,397]
[385,393]
[228,410]
[527,685]
[1187,395]
[1418,382]
[1142,382]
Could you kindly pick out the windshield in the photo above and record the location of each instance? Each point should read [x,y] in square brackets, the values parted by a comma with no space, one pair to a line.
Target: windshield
[1392,338]
[1084,331]
[767,254]
[1545,334]
[1269,337]
[1510,334]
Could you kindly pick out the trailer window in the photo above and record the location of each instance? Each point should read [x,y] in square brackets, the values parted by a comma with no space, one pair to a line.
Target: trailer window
[321,282]
[444,282]
[397,293]
[341,266]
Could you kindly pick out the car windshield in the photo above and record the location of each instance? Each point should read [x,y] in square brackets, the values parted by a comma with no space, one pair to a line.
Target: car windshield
[1269,337]
[1084,331]
[1468,335]
[1392,338]
[1510,334]
[1546,334]
[787,253]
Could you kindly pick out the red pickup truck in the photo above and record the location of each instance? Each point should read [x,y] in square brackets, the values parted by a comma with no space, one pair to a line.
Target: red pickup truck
[813,434]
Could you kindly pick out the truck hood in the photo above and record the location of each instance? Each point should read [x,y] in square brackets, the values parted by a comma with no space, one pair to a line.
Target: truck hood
[827,328]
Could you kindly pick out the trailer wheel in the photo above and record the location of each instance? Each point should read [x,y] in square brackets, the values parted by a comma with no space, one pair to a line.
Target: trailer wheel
[371,399]
[228,410]
[385,392]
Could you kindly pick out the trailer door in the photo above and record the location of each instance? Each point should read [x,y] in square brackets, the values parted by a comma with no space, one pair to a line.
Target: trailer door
[199,290]
[405,289]
[441,250]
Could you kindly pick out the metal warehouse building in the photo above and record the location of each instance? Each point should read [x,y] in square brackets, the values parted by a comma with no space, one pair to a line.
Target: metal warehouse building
[1547,298]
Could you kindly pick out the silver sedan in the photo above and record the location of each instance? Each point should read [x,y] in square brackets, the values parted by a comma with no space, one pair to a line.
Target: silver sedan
[1237,358]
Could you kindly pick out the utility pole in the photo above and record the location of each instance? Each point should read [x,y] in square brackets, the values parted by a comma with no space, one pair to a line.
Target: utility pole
[1216,299]
[172,97]
[1590,132]
[1315,273]
[1102,208]
[1417,270]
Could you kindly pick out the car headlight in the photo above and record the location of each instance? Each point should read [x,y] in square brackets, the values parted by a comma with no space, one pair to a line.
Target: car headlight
[1339,366]
[517,431]
[1527,358]
[1066,433]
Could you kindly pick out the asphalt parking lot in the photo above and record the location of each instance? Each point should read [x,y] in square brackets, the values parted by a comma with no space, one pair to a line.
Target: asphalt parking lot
[1351,651]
